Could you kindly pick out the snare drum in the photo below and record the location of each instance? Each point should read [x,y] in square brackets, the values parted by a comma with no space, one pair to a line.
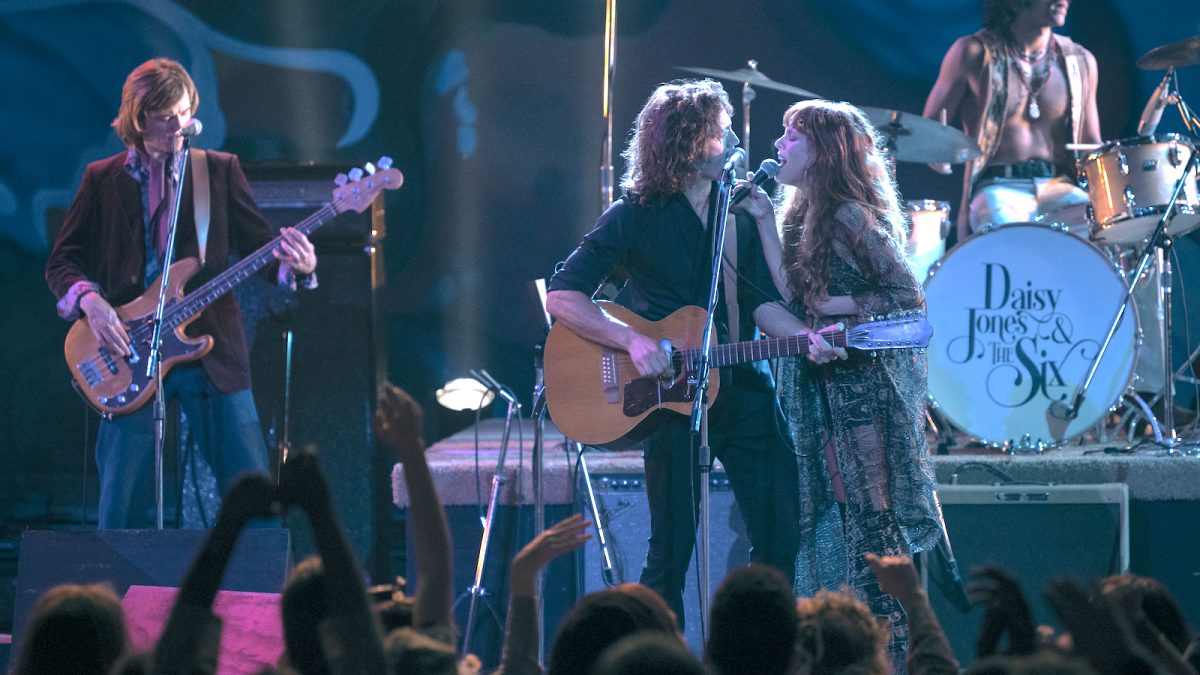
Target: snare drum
[928,225]
[1017,315]
[1130,183]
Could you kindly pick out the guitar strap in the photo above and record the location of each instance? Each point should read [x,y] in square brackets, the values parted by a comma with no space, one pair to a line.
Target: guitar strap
[201,199]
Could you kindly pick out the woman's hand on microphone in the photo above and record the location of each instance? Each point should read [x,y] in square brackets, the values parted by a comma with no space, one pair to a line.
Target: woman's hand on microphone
[757,204]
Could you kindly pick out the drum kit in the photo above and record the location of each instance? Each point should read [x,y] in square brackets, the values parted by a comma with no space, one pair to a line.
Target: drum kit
[1037,341]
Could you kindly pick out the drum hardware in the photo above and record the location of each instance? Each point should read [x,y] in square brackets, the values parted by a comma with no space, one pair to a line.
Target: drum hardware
[912,138]
[1130,419]
[1129,181]
[928,225]
[750,76]
[1178,54]
[1159,242]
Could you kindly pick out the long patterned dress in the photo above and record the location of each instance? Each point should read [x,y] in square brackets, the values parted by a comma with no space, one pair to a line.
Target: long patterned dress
[872,408]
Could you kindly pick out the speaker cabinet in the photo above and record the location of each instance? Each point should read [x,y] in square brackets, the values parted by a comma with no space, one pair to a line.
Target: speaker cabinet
[1034,533]
[125,558]
[621,501]
[319,356]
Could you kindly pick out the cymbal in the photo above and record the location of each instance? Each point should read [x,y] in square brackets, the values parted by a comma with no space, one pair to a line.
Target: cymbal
[919,139]
[1185,52]
[751,76]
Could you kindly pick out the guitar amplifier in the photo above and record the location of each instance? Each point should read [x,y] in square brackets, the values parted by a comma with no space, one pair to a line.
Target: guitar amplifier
[1033,532]
[625,513]
[290,192]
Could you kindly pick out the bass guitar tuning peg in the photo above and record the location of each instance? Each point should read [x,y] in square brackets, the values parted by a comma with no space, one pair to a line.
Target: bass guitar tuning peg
[369,168]
[341,179]
[385,162]
[356,173]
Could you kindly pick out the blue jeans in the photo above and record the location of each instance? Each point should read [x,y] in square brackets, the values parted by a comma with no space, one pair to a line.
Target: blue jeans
[225,427]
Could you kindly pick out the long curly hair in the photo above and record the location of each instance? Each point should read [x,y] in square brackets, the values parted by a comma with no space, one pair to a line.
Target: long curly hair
[667,145]
[847,167]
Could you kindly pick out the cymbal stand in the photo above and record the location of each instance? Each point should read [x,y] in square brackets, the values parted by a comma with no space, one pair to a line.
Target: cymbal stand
[748,96]
[1190,119]
[610,70]
[1156,246]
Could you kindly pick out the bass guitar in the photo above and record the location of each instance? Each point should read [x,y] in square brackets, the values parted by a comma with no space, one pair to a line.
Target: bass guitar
[596,396]
[117,385]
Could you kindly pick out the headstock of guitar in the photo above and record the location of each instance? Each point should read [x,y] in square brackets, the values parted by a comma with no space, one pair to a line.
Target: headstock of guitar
[359,187]
[897,331]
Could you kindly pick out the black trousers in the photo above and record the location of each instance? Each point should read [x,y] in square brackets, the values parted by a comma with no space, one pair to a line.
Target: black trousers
[747,433]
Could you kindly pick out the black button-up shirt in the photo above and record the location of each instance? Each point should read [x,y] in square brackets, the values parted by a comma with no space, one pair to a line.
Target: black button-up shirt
[666,251]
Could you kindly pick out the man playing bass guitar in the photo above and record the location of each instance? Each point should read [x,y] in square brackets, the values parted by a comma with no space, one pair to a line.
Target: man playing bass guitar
[110,250]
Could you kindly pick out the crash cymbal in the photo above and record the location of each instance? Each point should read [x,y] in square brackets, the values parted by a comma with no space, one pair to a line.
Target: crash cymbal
[1175,55]
[752,76]
[918,139]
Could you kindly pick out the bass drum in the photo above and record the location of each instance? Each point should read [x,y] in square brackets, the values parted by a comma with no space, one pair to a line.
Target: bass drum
[1018,313]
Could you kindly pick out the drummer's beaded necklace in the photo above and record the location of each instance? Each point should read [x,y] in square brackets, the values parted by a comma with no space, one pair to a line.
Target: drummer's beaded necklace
[1025,64]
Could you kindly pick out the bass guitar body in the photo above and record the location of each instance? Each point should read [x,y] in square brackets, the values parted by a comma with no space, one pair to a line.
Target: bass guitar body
[115,385]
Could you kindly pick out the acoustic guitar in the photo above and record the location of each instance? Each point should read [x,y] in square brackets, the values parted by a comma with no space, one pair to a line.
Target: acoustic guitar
[117,385]
[596,396]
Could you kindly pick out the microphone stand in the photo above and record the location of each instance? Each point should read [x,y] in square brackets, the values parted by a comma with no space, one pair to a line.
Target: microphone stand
[703,368]
[476,591]
[539,516]
[1157,244]
[154,363]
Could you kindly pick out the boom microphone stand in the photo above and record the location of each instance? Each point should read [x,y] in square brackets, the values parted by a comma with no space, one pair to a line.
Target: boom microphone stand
[476,591]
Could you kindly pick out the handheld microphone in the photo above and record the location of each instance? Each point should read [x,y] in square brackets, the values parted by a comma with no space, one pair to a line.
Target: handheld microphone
[766,171]
[736,156]
[192,129]
[1152,113]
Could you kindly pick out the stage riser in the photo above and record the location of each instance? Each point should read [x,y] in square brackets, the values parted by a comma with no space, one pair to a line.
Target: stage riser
[123,558]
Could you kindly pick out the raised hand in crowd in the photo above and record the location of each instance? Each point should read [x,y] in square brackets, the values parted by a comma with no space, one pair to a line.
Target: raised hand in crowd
[350,636]
[928,651]
[398,419]
[398,425]
[1005,612]
[559,539]
[190,642]
[1100,634]
[521,636]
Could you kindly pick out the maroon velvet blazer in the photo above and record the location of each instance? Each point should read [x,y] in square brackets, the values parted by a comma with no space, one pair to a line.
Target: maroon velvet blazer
[103,240]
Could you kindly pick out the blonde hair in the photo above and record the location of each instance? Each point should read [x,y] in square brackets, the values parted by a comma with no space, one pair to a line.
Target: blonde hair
[842,635]
[847,167]
[669,139]
[155,85]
